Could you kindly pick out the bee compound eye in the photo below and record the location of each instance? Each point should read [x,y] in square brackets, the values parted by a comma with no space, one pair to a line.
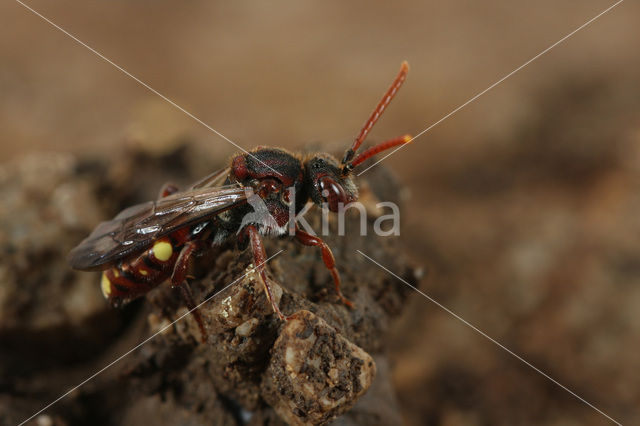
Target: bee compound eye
[333,193]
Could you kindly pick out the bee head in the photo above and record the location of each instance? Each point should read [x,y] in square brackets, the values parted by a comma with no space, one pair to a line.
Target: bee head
[326,182]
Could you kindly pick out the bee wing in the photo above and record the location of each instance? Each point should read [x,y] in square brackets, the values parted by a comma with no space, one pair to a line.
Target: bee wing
[136,227]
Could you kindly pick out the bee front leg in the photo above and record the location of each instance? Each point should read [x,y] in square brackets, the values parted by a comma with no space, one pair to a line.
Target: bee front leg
[327,257]
[259,260]
[179,279]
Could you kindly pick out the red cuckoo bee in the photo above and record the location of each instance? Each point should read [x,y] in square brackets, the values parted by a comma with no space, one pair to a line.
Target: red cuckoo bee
[149,243]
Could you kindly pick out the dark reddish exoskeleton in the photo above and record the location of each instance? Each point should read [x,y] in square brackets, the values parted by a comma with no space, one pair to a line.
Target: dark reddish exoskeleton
[152,242]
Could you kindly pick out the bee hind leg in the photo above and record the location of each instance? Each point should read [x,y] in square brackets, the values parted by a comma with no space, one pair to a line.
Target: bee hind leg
[259,259]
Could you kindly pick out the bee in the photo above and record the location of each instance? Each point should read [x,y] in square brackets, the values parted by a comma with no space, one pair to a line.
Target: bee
[150,243]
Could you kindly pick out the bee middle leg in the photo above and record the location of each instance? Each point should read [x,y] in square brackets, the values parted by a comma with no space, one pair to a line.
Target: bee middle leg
[259,259]
[327,257]
[179,279]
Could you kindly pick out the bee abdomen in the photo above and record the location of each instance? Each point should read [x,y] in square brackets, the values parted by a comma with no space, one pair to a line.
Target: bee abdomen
[130,279]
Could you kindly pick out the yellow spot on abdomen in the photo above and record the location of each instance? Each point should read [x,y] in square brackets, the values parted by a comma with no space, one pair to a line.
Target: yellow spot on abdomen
[162,250]
[105,285]
[143,271]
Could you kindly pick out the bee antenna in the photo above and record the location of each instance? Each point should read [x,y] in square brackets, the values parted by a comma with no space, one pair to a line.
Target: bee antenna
[347,164]
[382,146]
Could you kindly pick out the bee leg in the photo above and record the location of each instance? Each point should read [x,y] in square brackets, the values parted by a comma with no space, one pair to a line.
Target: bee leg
[168,189]
[327,257]
[259,259]
[179,279]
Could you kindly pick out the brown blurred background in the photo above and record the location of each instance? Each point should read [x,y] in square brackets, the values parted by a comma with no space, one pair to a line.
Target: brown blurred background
[524,208]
